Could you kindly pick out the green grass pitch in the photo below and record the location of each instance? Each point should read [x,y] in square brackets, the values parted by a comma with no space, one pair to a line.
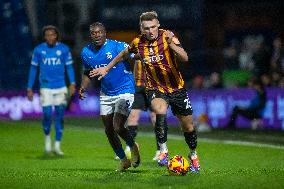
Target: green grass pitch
[89,161]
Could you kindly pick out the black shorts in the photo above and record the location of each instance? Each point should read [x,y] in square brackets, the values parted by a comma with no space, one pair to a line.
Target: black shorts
[140,99]
[178,100]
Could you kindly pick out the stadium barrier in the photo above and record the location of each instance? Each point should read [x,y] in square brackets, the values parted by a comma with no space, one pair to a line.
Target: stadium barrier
[216,104]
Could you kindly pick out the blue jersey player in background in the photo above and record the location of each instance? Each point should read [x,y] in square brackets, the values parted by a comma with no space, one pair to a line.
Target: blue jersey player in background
[117,92]
[52,58]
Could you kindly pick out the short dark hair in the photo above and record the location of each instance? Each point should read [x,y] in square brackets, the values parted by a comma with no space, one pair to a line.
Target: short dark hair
[97,24]
[147,16]
[50,27]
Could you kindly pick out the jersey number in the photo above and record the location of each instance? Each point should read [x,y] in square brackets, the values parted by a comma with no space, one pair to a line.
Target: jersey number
[187,102]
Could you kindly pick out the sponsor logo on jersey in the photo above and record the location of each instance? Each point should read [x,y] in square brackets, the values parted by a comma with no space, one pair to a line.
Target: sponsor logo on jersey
[154,58]
[51,61]
[101,65]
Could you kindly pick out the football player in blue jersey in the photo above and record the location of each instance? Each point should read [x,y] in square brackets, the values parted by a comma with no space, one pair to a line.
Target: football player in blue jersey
[117,91]
[52,58]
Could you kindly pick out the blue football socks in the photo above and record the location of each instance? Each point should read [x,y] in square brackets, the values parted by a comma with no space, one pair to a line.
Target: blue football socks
[59,115]
[46,122]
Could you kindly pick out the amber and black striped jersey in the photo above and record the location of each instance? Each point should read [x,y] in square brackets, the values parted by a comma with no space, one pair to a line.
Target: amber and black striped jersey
[139,75]
[160,63]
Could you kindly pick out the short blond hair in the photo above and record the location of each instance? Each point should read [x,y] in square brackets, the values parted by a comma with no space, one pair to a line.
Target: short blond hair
[147,16]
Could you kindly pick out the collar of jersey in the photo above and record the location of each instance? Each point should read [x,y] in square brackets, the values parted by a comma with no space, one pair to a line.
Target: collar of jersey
[53,46]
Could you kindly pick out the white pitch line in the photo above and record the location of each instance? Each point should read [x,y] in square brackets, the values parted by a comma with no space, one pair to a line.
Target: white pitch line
[215,141]
[242,143]
[232,142]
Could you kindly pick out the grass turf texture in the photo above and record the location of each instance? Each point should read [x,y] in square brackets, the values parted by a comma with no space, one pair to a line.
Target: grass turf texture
[89,163]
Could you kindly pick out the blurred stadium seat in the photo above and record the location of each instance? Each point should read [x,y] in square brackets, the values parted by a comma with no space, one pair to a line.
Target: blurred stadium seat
[16,45]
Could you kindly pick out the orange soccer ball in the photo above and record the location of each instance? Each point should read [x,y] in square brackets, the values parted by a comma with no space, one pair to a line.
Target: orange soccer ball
[178,165]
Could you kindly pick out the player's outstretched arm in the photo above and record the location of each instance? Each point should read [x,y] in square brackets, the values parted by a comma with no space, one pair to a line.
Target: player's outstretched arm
[102,71]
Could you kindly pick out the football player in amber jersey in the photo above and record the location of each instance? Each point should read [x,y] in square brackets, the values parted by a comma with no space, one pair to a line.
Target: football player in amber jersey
[160,52]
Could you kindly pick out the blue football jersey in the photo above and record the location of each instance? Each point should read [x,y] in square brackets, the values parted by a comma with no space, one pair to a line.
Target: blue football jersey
[52,62]
[119,79]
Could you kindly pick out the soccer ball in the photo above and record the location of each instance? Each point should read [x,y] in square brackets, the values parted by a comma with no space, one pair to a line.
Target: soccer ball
[178,165]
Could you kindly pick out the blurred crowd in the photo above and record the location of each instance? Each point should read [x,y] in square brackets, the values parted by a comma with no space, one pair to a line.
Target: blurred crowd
[246,61]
